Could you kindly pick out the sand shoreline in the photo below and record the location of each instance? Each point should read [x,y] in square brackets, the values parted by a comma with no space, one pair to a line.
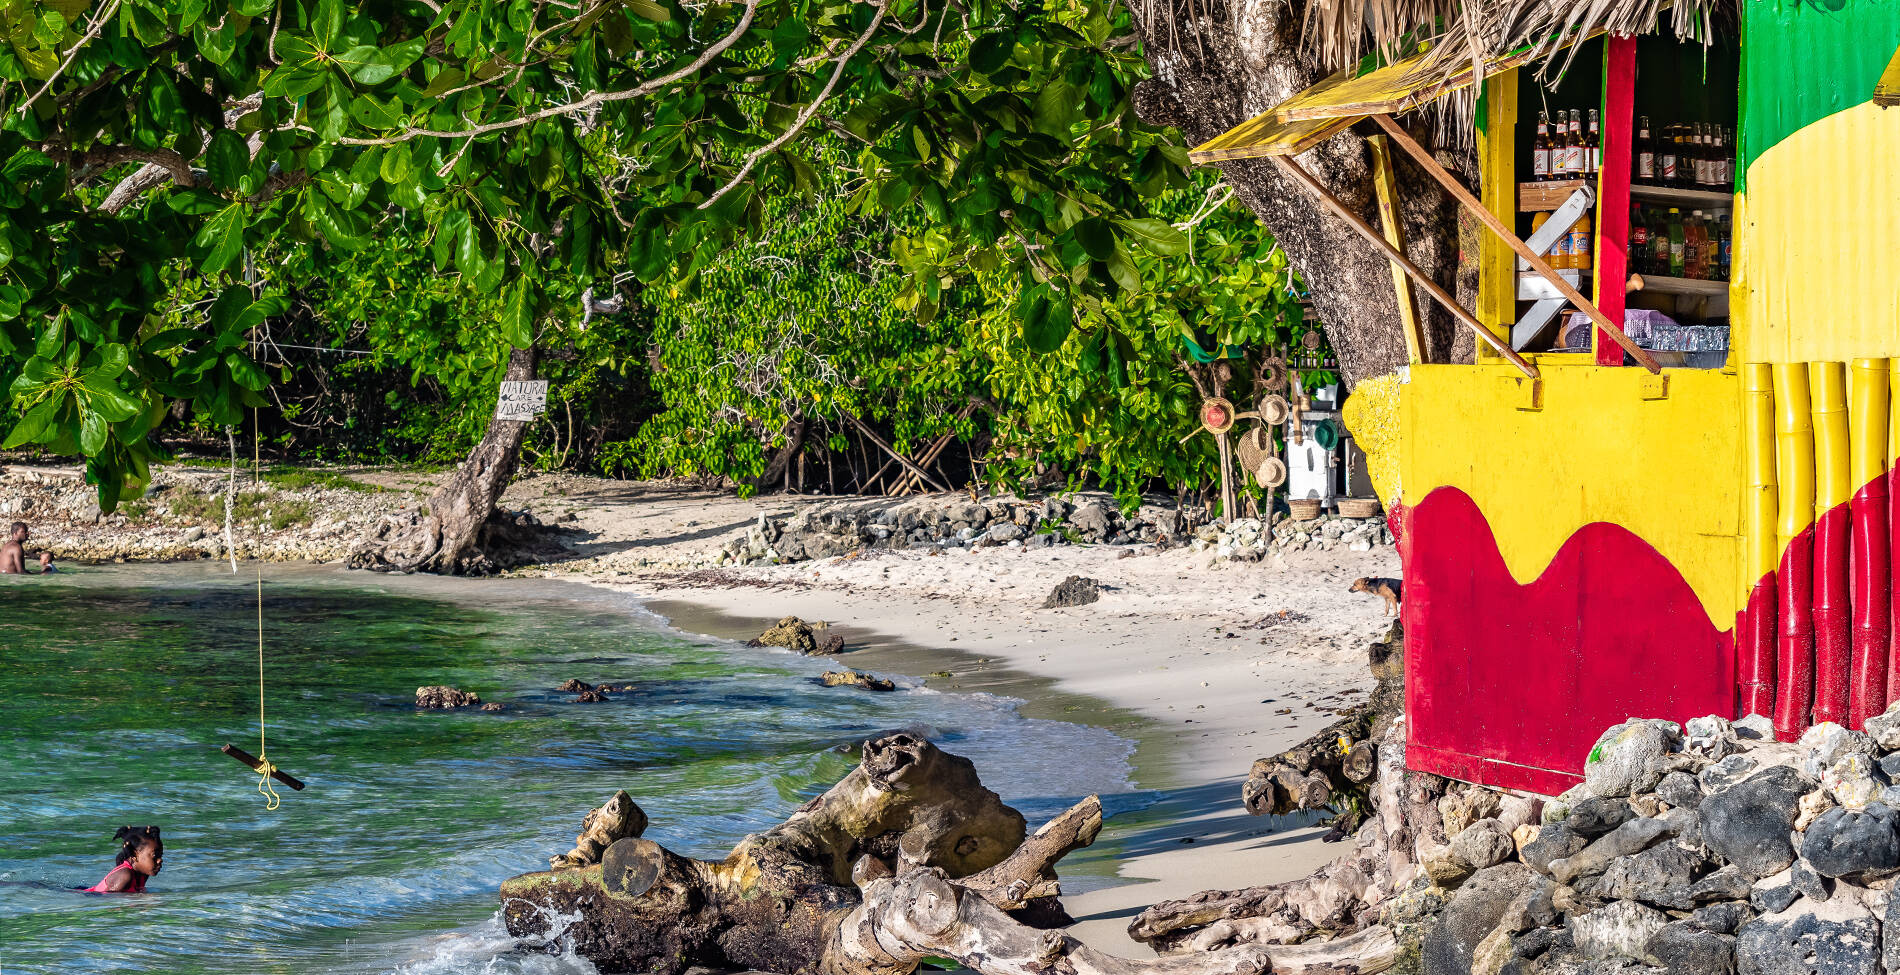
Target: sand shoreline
[1200,699]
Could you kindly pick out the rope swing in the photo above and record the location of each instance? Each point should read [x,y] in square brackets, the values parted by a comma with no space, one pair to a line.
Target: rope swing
[259,763]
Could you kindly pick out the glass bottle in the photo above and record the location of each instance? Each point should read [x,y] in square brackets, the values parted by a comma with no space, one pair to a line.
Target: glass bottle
[1594,145]
[1540,149]
[1645,153]
[1677,253]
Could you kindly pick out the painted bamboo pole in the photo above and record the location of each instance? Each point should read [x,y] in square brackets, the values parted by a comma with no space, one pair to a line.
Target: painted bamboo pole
[1833,655]
[1869,572]
[1794,537]
[1755,631]
[1893,527]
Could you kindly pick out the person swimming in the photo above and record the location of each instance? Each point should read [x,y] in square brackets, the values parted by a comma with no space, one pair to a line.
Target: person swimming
[140,859]
[46,562]
[13,553]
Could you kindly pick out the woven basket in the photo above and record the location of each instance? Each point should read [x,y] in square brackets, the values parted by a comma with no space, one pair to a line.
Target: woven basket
[1304,509]
[1358,507]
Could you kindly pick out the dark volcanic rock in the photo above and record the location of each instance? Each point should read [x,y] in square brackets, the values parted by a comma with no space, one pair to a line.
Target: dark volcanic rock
[1726,884]
[1073,591]
[1832,941]
[1471,916]
[1722,918]
[1773,894]
[1749,824]
[1687,950]
[1628,839]
[1844,843]
[1661,875]
[1554,842]
[1811,885]
[1680,789]
[590,696]
[574,686]
[1592,818]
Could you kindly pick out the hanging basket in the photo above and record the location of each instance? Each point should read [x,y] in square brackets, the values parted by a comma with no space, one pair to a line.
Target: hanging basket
[1358,507]
[1273,375]
[1252,447]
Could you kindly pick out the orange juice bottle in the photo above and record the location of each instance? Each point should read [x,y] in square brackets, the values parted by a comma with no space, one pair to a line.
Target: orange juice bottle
[1580,243]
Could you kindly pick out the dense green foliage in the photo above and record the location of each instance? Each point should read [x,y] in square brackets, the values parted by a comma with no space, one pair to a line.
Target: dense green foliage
[811,208]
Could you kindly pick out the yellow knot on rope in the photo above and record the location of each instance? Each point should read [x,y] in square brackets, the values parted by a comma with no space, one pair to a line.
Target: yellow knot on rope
[264,769]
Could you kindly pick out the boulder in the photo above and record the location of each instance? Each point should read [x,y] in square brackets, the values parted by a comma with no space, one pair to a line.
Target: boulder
[1810,807]
[1073,591]
[1847,843]
[1093,519]
[1852,782]
[1630,838]
[1723,918]
[1554,841]
[1890,932]
[791,633]
[852,678]
[1685,949]
[574,686]
[1471,916]
[1592,818]
[440,697]
[1618,764]
[1755,727]
[592,695]
[1680,789]
[1726,884]
[1661,875]
[1840,937]
[1483,844]
[1621,929]
[1828,743]
[1773,894]
[1748,825]
[1807,883]
[1460,809]
[620,817]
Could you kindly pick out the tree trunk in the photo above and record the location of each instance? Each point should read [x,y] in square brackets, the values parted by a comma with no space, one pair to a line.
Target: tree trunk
[461,533]
[1218,64]
[780,464]
[908,857]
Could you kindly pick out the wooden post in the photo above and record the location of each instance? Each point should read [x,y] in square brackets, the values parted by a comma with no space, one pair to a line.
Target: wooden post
[1613,189]
[1496,226]
[1382,182]
[1424,280]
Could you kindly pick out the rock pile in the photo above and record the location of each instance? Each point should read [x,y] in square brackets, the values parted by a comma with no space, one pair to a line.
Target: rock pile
[853,678]
[440,697]
[1247,540]
[937,522]
[808,637]
[1709,849]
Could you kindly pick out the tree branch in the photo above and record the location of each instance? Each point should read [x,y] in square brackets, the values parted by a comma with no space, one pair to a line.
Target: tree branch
[98,24]
[591,101]
[752,159]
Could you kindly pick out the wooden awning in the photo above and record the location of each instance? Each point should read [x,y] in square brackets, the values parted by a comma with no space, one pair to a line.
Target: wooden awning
[1316,114]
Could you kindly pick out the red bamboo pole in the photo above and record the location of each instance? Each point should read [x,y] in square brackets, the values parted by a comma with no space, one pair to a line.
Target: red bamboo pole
[1833,651]
[1755,625]
[1794,575]
[1869,572]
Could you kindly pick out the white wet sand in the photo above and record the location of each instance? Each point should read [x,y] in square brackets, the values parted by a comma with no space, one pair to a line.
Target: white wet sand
[1206,668]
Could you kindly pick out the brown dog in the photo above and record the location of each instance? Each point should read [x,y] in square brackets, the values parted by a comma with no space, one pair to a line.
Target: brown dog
[1387,589]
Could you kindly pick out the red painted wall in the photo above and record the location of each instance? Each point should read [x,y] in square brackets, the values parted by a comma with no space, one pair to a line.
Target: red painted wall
[1510,685]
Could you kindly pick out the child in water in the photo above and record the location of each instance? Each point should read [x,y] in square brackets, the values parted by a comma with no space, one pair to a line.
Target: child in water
[140,859]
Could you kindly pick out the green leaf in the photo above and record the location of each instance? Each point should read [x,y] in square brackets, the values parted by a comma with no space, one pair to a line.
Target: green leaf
[221,240]
[1155,234]
[1048,322]
[246,371]
[1096,238]
[650,10]
[991,52]
[228,159]
[395,164]
[93,428]
[376,114]
[32,427]
[1122,269]
[102,396]
[517,315]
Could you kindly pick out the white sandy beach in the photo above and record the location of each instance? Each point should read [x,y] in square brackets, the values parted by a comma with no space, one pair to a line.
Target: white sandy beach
[1207,668]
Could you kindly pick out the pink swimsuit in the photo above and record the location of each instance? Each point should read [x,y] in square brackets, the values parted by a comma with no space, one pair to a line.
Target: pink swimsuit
[138,882]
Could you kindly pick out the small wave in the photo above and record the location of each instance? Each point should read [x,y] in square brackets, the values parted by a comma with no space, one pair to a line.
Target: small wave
[488,949]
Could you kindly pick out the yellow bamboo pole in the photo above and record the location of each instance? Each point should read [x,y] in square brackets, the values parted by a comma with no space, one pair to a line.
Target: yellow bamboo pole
[1761,507]
[1794,452]
[1827,385]
[1867,422]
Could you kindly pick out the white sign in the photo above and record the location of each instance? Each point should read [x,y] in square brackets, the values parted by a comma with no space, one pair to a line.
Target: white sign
[522,401]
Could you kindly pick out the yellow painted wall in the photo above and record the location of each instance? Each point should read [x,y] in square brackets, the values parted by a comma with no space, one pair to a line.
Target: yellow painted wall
[1660,456]
[1817,252]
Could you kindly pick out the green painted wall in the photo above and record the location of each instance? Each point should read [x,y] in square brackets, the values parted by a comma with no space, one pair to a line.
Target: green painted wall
[1803,60]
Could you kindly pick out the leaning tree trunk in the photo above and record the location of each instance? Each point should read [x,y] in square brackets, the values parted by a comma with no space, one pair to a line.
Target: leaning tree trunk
[1218,63]
[908,857]
[460,532]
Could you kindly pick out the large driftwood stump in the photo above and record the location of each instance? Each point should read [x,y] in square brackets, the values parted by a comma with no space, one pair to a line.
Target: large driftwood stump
[908,857]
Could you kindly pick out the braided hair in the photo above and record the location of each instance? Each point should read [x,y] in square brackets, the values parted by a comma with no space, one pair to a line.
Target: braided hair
[135,838]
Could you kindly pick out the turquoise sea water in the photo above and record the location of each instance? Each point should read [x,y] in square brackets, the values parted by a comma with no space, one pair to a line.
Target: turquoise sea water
[117,685]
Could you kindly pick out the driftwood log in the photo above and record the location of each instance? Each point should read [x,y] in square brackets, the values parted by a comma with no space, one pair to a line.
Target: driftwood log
[908,857]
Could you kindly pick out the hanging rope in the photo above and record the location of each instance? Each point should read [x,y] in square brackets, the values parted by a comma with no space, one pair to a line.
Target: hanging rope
[264,768]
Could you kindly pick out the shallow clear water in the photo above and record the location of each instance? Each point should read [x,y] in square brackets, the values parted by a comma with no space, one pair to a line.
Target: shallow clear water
[118,684]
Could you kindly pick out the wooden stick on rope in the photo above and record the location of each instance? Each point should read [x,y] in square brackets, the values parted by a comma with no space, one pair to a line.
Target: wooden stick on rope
[1418,276]
[1535,260]
[251,760]
[887,448]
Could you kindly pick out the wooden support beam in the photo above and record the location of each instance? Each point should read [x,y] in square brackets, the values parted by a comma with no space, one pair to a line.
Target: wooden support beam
[872,436]
[1304,178]
[1387,189]
[1536,261]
